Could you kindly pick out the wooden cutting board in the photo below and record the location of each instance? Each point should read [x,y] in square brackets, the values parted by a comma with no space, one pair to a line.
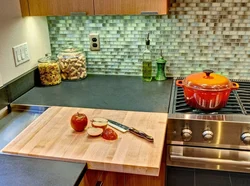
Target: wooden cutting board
[51,136]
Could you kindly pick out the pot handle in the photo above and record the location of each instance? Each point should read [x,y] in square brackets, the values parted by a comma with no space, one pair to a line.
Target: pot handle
[235,86]
[179,83]
[208,72]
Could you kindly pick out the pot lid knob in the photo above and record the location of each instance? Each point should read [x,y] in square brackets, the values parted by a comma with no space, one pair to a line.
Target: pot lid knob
[208,72]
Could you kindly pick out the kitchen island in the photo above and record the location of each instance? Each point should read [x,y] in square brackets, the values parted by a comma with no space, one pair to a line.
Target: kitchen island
[50,136]
[109,92]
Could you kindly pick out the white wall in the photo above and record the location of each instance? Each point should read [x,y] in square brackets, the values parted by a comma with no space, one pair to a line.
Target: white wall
[14,30]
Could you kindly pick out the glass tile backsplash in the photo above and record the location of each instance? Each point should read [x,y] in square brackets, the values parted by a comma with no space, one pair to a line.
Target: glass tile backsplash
[196,35]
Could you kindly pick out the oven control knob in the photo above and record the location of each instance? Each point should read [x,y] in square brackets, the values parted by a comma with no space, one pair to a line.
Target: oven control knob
[245,138]
[186,134]
[208,135]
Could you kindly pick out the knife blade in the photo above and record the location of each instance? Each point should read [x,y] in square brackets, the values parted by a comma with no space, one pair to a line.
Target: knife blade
[124,128]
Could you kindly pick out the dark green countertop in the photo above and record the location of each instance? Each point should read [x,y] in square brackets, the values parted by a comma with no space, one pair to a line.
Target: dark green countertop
[106,92]
[23,171]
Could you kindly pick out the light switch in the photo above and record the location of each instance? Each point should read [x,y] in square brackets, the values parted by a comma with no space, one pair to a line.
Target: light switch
[21,53]
[19,58]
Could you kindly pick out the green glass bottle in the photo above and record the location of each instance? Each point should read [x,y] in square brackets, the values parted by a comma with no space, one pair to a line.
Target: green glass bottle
[161,62]
[147,62]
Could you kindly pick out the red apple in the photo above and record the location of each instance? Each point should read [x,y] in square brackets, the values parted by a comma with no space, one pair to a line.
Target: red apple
[79,121]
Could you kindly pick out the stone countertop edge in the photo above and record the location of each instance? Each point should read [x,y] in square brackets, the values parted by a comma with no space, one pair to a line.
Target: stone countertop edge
[52,172]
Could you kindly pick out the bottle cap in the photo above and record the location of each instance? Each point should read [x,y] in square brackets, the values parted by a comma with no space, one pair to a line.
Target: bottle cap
[147,40]
[161,59]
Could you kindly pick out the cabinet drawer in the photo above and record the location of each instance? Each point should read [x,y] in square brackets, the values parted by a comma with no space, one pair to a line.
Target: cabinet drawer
[130,7]
[56,7]
[91,7]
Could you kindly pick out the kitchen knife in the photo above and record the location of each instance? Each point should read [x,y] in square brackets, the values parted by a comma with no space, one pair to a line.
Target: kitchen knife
[124,128]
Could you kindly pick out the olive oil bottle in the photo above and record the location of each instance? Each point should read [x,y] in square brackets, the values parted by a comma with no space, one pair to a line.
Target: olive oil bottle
[147,62]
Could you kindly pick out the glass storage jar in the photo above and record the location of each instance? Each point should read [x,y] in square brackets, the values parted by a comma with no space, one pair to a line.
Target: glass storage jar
[49,71]
[72,62]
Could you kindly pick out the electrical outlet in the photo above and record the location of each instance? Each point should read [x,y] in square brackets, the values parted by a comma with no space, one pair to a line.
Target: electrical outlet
[21,53]
[94,42]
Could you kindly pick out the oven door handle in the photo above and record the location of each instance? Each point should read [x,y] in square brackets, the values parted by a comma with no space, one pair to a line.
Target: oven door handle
[209,160]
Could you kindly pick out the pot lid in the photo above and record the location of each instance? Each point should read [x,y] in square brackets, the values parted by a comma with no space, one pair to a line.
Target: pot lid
[207,80]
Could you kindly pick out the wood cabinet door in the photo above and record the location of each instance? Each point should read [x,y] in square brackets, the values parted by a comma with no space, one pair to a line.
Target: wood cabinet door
[129,7]
[59,7]
[113,179]
[141,180]
[92,177]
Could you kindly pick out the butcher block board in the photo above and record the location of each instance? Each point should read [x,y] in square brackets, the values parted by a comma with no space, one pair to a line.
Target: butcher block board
[50,136]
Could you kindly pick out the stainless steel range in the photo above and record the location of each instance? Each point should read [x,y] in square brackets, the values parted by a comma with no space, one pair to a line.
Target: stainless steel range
[218,140]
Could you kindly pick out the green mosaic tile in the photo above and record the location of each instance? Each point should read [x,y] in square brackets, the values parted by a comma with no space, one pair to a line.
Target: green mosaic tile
[197,34]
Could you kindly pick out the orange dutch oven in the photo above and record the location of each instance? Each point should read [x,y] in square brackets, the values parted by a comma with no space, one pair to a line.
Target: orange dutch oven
[207,90]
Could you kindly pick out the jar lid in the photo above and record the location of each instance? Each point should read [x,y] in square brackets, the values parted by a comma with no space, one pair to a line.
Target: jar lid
[70,49]
[207,80]
[47,59]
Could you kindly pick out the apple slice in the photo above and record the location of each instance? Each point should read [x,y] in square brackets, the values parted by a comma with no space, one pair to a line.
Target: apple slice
[102,120]
[92,131]
[99,123]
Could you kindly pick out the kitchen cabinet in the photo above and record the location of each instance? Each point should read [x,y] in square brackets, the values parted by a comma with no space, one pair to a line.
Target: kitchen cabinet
[92,177]
[56,7]
[50,136]
[130,7]
[141,180]
[129,153]
[92,7]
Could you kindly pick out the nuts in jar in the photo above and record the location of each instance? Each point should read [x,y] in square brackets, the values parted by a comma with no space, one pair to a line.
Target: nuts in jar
[49,71]
[72,63]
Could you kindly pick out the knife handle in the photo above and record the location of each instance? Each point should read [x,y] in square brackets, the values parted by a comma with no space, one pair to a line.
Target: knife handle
[141,134]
